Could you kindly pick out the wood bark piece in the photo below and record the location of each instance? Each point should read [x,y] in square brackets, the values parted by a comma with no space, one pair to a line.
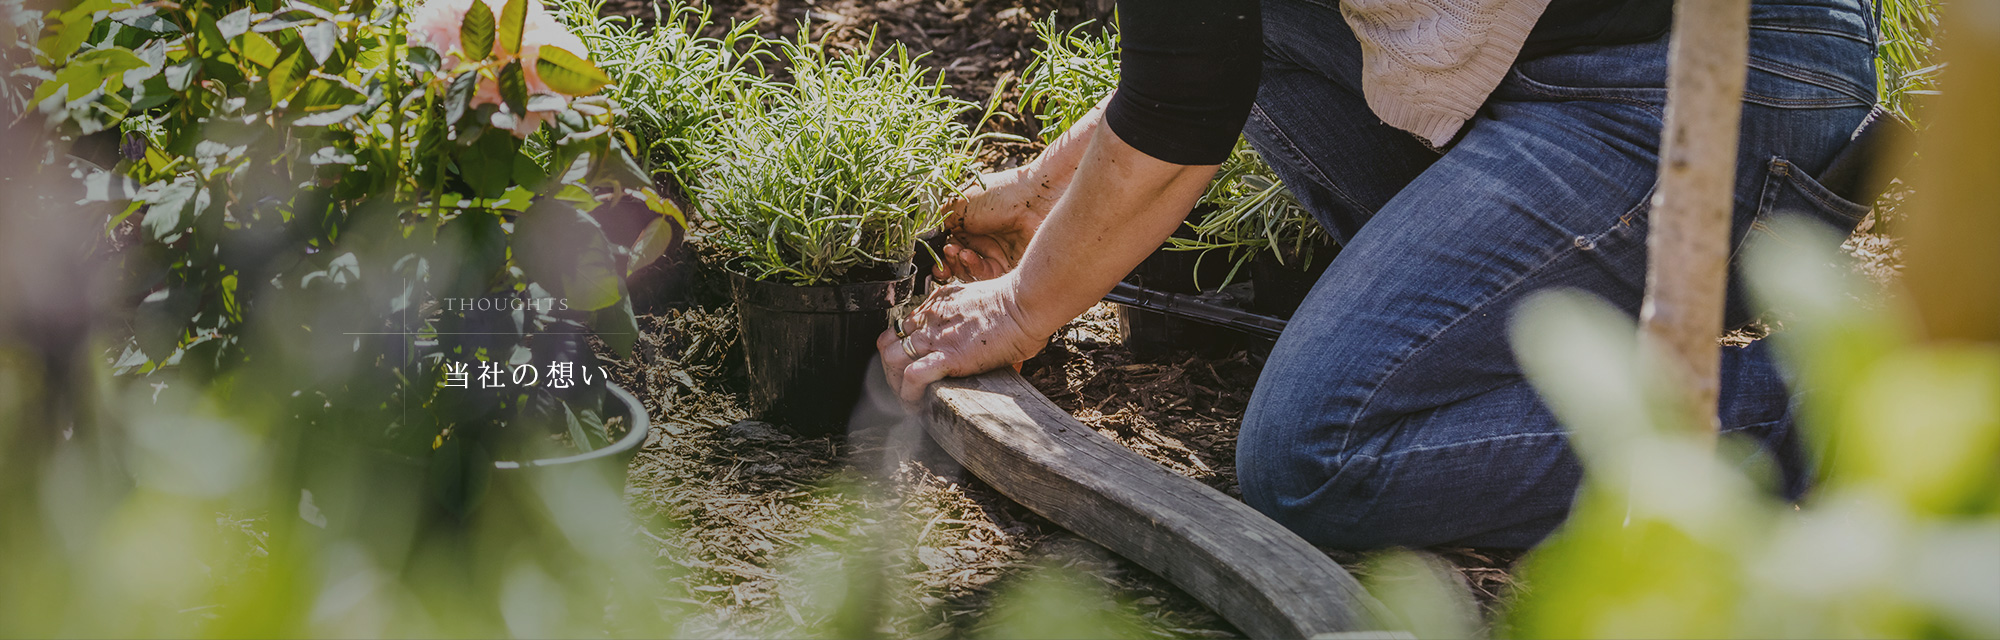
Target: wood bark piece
[1688,247]
[1263,578]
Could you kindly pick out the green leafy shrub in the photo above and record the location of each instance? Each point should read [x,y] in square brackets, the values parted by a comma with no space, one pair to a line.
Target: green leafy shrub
[831,178]
[306,179]
[1072,72]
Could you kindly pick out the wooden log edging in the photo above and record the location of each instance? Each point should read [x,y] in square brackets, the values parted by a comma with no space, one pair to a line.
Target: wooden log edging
[1252,571]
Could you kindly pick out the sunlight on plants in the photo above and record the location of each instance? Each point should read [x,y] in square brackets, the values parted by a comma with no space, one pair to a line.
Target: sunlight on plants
[1072,71]
[831,178]
[1253,213]
[673,85]
[1906,58]
[255,431]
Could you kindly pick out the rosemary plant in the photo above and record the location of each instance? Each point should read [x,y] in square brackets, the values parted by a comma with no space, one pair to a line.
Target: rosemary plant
[675,86]
[831,178]
[1905,58]
[1071,73]
[1253,211]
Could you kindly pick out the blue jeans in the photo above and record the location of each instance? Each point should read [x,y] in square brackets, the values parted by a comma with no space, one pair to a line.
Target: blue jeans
[1392,411]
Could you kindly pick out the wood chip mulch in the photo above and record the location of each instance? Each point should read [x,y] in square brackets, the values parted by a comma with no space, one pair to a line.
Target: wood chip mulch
[758,523]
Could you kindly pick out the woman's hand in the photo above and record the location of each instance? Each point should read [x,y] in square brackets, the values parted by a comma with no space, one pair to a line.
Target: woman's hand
[1039,252]
[990,227]
[962,329]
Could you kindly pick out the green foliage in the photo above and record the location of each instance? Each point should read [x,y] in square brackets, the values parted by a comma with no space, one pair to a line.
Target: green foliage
[513,16]
[305,178]
[19,28]
[475,34]
[1252,211]
[293,188]
[831,178]
[1905,60]
[1422,593]
[1072,72]
[1669,539]
[1053,603]
[674,85]
[182,509]
[567,74]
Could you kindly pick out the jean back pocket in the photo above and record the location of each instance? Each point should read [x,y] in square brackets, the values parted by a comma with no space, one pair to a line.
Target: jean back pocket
[1789,190]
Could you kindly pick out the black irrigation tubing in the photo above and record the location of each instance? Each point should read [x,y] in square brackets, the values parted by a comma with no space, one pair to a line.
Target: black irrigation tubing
[1192,308]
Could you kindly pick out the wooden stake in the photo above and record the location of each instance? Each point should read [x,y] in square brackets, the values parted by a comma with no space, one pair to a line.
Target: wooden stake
[1688,247]
[1953,272]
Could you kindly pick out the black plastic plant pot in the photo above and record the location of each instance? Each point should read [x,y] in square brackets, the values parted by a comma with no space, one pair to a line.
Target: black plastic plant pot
[1153,336]
[459,480]
[1281,287]
[671,282]
[808,348]
[612,458]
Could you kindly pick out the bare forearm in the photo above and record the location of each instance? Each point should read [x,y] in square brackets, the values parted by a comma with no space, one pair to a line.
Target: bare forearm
[1050,173]
[1112,205]
[1119,205]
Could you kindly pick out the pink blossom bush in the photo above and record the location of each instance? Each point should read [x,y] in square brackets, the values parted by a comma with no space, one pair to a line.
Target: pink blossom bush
[436,25]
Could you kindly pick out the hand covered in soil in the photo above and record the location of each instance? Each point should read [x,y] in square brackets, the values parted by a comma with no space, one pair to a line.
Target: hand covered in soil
[990,227]
[962,329]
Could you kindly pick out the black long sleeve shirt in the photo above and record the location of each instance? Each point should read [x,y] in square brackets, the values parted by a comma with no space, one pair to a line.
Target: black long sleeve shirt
[1190,68]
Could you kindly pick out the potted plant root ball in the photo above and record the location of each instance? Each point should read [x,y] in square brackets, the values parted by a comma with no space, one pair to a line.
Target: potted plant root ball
[819,189]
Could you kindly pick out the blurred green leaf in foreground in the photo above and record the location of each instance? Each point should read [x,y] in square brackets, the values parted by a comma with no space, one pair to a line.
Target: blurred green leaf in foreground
[1670,540]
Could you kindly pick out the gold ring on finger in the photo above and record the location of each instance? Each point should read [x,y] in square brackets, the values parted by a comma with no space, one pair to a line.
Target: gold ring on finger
[909,350]
[900,333]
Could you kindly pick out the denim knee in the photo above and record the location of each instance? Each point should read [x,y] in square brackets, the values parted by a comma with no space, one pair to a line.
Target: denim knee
[1286,466]
[1293,487]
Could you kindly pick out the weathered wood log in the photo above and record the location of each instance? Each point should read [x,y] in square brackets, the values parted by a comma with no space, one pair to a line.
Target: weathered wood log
[1263,578]
[1688,246]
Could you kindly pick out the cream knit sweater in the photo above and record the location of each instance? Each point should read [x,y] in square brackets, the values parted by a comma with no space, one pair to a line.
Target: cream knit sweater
[1427,65]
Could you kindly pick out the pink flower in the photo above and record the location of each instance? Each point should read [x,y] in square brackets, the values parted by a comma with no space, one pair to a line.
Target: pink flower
[436,25]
